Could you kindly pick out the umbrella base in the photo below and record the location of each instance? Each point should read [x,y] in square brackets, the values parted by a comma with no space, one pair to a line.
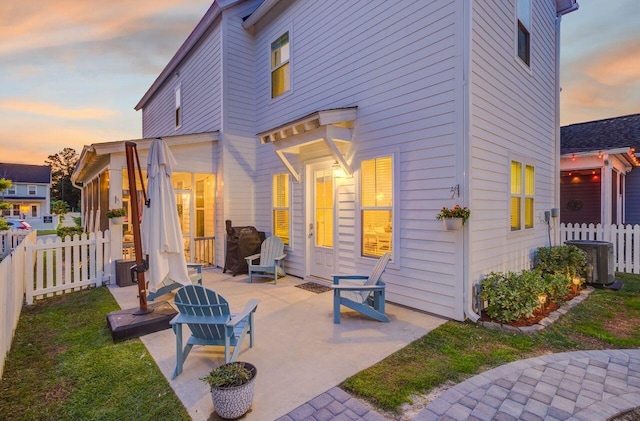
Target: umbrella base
[128,324]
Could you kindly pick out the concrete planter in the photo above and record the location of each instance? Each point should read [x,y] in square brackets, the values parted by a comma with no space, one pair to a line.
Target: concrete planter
[234,402]
[452,224]
[117,220]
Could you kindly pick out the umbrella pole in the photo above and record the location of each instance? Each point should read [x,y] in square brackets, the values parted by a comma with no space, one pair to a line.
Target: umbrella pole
[140,266]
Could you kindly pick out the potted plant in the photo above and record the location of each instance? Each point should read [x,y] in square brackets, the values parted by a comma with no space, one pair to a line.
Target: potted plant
[232,387]
[453,218]
[117,215]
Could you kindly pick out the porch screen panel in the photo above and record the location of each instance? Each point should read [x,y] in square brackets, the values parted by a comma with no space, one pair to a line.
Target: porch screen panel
[376,192]
[281,206]
[324,207]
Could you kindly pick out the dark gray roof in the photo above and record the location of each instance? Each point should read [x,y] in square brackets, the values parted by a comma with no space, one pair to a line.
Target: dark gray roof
[23,173]
[611,133]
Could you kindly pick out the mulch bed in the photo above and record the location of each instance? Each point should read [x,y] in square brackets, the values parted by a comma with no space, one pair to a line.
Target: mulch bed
[314,287]
[538,314]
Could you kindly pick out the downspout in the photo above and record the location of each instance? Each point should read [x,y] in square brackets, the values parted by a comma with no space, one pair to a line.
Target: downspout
[556,161]
[466,140]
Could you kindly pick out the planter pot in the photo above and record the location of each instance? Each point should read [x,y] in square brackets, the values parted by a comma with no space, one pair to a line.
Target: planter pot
[117,220]
[452,224]
[234,402]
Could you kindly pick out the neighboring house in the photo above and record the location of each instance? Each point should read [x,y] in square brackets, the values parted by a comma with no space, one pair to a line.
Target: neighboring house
[599,182]
[344,127]
[29,196]
[101,174]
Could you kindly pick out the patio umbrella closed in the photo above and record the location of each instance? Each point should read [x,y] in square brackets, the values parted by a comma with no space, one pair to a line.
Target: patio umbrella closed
[160,229]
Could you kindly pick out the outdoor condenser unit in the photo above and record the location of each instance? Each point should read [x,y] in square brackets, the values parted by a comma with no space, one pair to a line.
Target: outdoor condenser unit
[600,261]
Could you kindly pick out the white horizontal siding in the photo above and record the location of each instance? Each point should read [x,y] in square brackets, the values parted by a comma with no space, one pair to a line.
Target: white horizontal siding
[398,62]
[199,77]
[513,117]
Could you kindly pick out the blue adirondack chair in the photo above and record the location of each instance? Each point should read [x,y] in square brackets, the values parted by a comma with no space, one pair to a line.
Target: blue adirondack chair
[168,285]
[211,323]
[364,297]
[271,260]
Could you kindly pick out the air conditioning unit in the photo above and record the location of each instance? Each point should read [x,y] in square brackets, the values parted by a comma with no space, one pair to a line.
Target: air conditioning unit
[600,261]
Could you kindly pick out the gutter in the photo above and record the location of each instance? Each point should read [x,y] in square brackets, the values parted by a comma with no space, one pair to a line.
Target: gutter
[259,13]
[572,8]
[467,288]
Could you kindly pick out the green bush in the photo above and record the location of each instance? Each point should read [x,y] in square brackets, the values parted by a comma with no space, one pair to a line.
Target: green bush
[511,296]
[77,220]
[557,287]
[70,231]
[567,260]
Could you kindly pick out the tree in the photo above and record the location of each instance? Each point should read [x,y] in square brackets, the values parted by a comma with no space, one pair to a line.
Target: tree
[59,207]
[62,165]
[4,185]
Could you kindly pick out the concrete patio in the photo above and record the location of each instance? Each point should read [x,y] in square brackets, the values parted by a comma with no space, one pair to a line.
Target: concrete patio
[299,352]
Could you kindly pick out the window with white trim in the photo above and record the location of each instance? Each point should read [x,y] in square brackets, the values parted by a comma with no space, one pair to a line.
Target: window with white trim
[376,206]
[280,66]
[32,190]
[523,11]
[34,211]
[11,190]
[522,195]
[281,206]
[178,108]
[15,210]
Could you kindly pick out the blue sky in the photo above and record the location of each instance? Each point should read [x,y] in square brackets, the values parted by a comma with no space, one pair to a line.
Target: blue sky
[71,71]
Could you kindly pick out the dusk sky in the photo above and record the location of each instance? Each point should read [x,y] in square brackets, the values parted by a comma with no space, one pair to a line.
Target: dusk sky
[71,71]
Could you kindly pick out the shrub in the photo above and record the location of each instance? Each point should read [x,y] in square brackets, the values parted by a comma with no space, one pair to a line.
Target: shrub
[567,260]
[77,220]
[70,231]
[512,296]
[557,287]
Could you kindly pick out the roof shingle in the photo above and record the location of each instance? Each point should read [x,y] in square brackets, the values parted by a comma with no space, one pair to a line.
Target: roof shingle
[610,133]
[23,173]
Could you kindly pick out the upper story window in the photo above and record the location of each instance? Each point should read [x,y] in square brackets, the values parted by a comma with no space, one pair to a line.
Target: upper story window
[178,107]
[11,190]
[376,193]
[280,66]
[522,195]
[524,30]
[32,190]
[281,206]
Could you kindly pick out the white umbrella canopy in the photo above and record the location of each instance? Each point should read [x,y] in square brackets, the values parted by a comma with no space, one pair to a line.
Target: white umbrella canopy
[160,228]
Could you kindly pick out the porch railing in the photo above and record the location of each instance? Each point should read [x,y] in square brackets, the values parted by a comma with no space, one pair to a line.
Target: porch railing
[625,239]
[204,250]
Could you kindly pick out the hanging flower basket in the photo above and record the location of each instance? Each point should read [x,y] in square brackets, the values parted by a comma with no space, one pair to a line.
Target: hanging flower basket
[454,218]
[452,224]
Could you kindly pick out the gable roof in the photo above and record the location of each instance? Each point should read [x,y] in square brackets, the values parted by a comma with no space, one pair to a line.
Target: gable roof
[23,173]
[610,133]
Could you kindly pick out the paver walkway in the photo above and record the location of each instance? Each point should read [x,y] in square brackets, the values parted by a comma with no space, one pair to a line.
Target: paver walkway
[582,385]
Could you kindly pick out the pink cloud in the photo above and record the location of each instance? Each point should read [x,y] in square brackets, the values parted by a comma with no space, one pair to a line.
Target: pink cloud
[53,110]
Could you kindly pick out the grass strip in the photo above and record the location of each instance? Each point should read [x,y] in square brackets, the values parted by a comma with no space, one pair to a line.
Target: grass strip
[456,351]
[63,364]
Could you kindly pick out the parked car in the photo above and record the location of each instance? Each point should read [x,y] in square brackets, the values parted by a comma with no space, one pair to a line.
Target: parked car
[15,224]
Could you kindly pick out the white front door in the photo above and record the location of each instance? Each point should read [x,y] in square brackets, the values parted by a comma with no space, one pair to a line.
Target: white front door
[320,220]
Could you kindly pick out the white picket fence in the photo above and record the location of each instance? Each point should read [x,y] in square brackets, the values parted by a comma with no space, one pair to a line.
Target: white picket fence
[12,269]
[625,239]
[9,240]
[60,266]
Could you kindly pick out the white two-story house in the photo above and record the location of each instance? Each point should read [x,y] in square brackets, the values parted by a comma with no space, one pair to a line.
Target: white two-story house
[345,126]
[29,196]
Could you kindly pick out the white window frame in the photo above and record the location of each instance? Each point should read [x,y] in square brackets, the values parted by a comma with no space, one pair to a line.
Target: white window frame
[289,61]
[32,190]
[523,195]
[394,153]
[178,106]
[287,208]
[11,190]
[15,210]
[518,22]
[37,208]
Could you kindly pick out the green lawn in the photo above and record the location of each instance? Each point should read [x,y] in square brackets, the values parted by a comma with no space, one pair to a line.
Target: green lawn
[456,351]
[46,232]
[64,365]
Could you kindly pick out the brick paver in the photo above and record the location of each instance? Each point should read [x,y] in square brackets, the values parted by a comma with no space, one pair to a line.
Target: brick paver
[582,385]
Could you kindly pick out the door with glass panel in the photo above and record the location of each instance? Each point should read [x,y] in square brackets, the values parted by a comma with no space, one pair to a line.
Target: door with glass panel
[320,226]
